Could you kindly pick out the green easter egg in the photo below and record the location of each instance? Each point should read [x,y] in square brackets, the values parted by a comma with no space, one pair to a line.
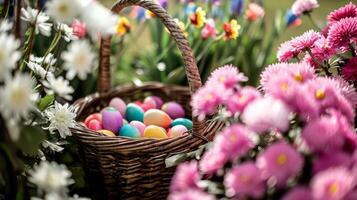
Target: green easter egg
[182,121]
[129,131]
[134,113]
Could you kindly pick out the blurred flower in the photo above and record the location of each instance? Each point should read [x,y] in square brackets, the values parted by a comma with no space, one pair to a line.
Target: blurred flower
[267,114]
[244,181]
[209,30]
[78,59]
[5,25]
[298,193]
[190,195]
[123,26]
[325,160]
[254,12]
[304,6]
[286,51]
[186,177]
[235,141]
[38,70]
[212,161]
[347,90]
[61,117]
[50,177]
[59,86]
[9,54]
[349,71]
[231,29]
[79,29]
[49,60]
[54,147]
[332,184]
[18,96]
[163,3]
[138,13]
[63,11]
[343,33]
[227,76]
[37,19]
[322,50]
[291,19]
[236,7]
[190,7]
[241,98]
[198,18]
[182,27]
[67,32]
[280,162]
[347,11]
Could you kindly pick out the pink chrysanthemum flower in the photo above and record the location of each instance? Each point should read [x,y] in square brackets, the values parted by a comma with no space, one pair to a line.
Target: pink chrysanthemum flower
[297,45]
[186,177]
[228,76]
[191,195]
[206,99]
[322,50]
[209,30]
[343,33]
[235,141]
[271,72]
[279,162]
[212,161]
[303,6]
[244,181]
[240,99]
[349,71]
[267,114]
[349,10]
[298,193]
[347,90]
[325,160]
[332,184]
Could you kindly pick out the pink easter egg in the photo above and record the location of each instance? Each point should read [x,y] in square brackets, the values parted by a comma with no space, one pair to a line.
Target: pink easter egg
[118,104]
[173,109]
[96,116]
[158,101]
[95,125]
[177,131]
[150,102]
[112,119]
[139,125]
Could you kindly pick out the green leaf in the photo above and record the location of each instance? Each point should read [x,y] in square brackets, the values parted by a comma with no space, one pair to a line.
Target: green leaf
[175,160]
[46,101]
[30,140]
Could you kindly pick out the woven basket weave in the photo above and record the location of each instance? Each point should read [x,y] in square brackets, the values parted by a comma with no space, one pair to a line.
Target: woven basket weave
[127,168]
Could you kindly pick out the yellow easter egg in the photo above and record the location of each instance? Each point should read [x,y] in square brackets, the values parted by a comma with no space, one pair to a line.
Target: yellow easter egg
[107,133]
[155,132]
[157,117]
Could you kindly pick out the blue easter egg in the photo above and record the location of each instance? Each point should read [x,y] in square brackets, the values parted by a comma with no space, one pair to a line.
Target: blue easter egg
[182,121]
[134,113]
[128,130]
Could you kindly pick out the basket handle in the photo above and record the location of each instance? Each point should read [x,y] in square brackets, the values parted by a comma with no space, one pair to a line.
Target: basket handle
[192,73]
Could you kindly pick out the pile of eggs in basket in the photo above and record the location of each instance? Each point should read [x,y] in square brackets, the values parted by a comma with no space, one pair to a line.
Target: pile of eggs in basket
[151,118]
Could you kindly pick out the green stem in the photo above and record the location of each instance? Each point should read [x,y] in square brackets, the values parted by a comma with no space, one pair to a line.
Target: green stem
[28,47]
[313,21]
[323,67]
[353,50]
[5,10]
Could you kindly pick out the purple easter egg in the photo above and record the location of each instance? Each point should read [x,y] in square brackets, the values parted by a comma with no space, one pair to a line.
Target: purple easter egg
[174,110]
[118,104]
[158,101]
[139,125]
[112,119]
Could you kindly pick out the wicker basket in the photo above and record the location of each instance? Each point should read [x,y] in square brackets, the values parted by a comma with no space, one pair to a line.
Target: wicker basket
[126,168]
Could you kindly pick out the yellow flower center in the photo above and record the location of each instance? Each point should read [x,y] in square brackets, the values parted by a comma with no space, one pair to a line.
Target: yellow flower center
[242,99]
[208,96]
[320,94]
[284,86]
[282,159]
[333,189]
[61,117]
[63,9]
[18,96]
[244,178]
[233,138]
[299,77]
[123,26]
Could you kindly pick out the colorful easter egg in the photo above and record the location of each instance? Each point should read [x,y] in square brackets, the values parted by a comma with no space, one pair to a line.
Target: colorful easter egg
[112,119]
[182,121]
[129,131]
[158,101]
[95,125]
[96,116]
[149,101]
[157,117]
[134,113]
[106,132]
[174,110]
[118,104]
[155,132]
[177,131]
[139,125]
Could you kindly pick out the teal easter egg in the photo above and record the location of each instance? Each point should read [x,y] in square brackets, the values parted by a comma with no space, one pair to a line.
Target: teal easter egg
[139,125]
[177,131]
[182,121]
[129,131]
[157,117]
[134,113]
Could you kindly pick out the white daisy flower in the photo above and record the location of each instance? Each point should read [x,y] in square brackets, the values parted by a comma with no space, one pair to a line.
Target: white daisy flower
[59,86]
[14,129]
[39,19]
[51,177]
[63,10]
[9,54]
[53,146]
[61,117]
[48,60]
[67,32]
[38,70]
[18,96]
[78,59]
[5,26]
